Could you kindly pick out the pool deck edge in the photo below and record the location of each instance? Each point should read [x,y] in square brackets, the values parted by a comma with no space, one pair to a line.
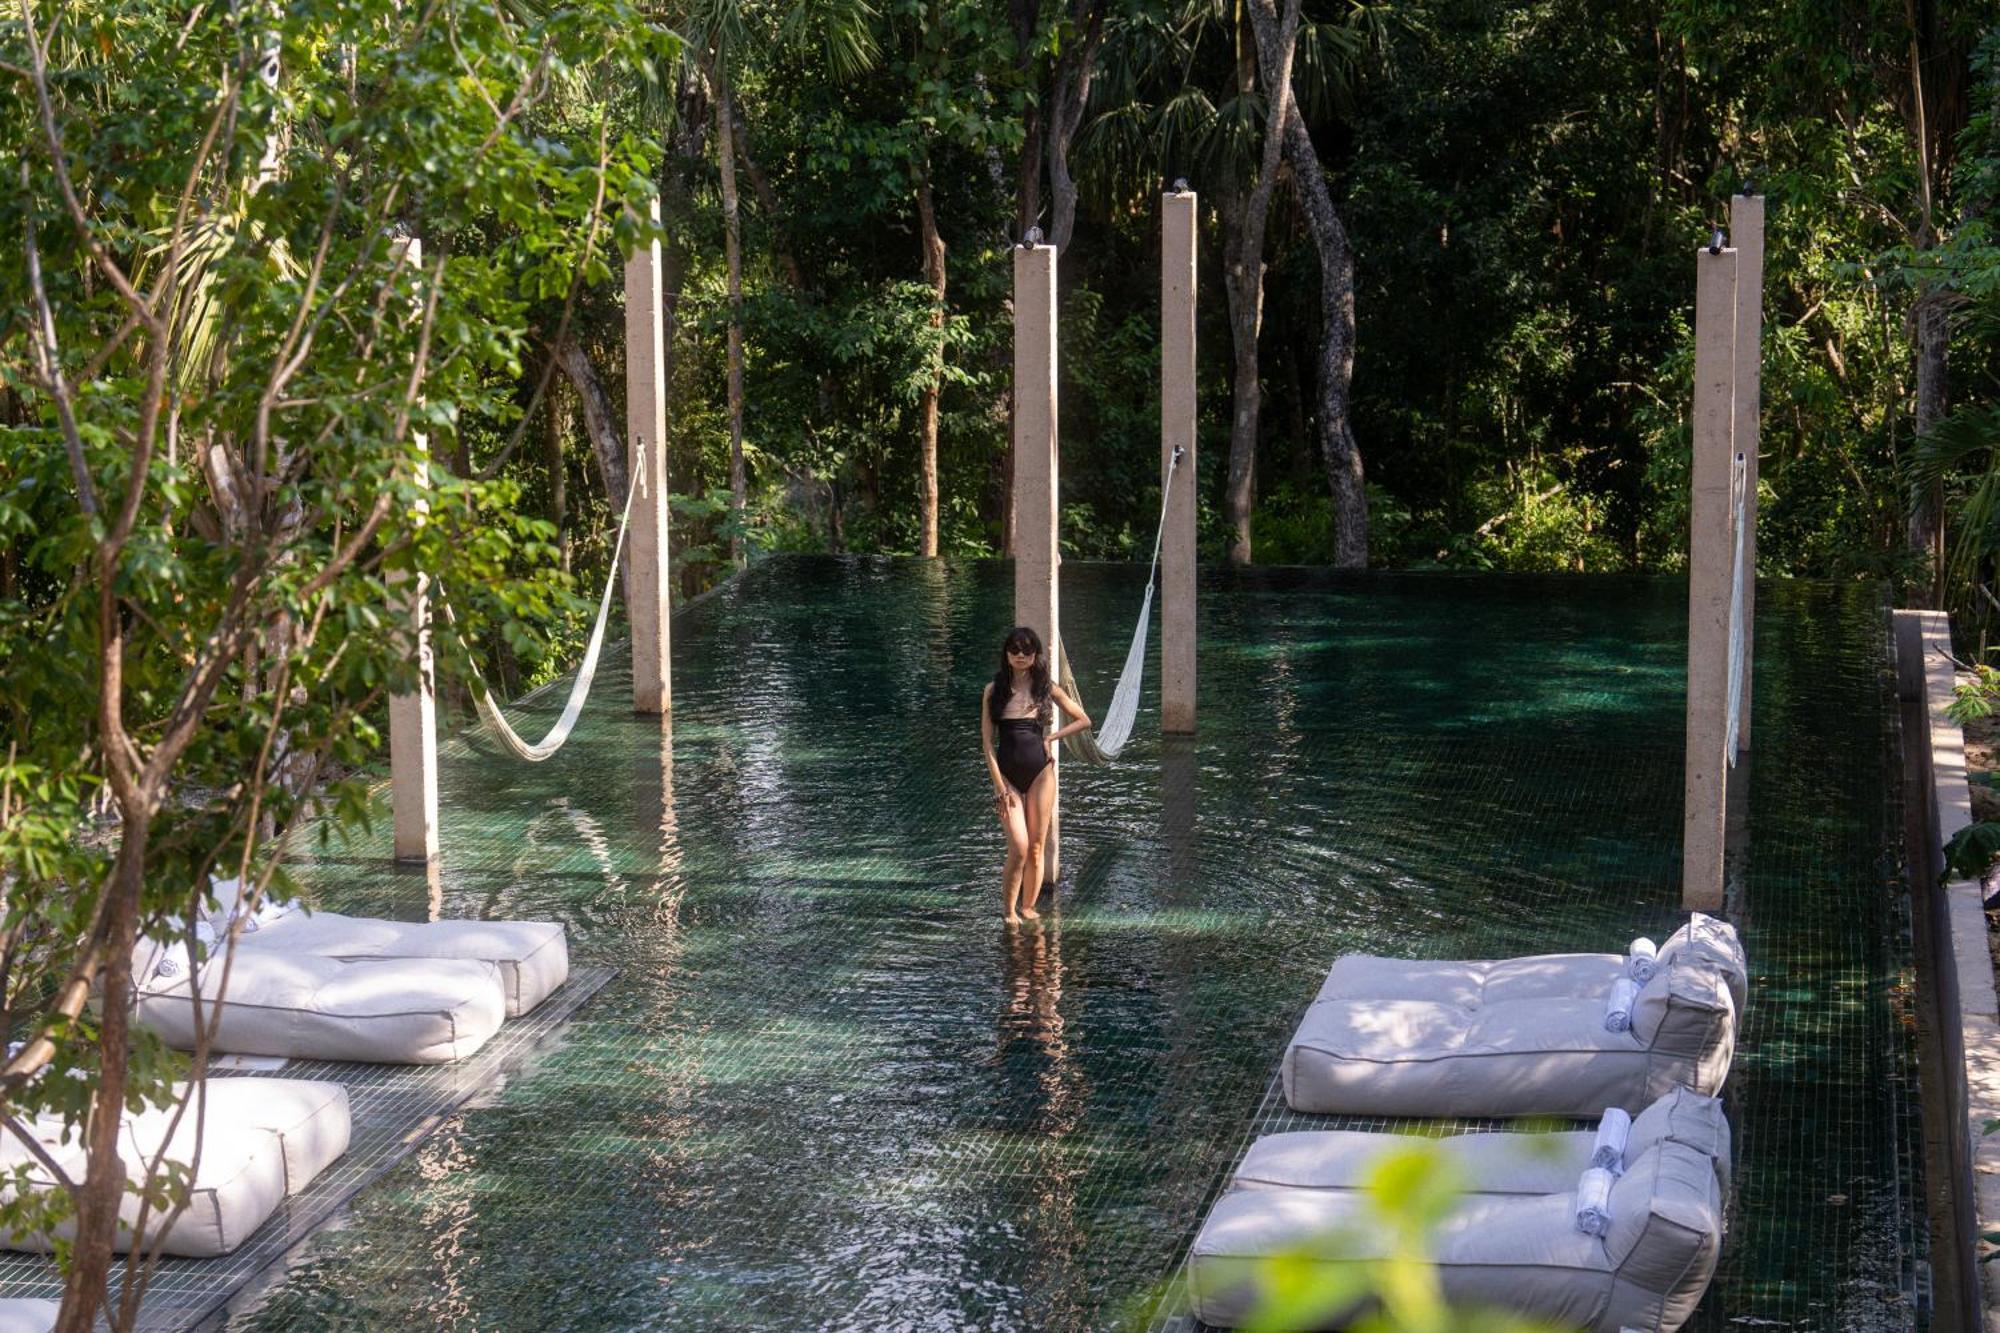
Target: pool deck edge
[1927,676]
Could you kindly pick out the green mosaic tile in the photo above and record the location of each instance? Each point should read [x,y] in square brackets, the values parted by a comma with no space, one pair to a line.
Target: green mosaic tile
[828,1090]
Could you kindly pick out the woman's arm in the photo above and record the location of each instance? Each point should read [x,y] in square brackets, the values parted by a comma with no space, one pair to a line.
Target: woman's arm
[1081,720]
[986,738]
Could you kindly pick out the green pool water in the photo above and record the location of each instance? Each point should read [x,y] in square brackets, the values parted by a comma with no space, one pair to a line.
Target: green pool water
[828,1090]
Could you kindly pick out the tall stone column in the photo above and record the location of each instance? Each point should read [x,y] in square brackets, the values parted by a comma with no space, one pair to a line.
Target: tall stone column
[413,763]
[1177,415]
[1711,555]
[1036,555]
[1746,230]
[646,573]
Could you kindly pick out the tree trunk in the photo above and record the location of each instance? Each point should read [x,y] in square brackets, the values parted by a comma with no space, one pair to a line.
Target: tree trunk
[606,441]
[1024,16]
[1243,285]
[767,198]
[732,245]
[1932,92]
[1671,114]
[1339,453]
[927,499]
[680,163]
[1069,97]
[103,1188]
[676,204]
[1243,276]
[1007,485]
[557,423]
[1926,527]
[868,477]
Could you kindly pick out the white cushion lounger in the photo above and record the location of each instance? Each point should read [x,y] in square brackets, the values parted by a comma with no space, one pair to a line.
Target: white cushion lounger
[1488,980]
[1517,1036]
[1490,1163]
[1537,1055]
[385,1010]
[532,956]
[1515,1252]
[25,1316]
[261,1139]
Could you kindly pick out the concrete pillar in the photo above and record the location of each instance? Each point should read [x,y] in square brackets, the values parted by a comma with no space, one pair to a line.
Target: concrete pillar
[413,764]
[646,573]
[1035,530]
[1711,555]
[1746,231]
[1177,590]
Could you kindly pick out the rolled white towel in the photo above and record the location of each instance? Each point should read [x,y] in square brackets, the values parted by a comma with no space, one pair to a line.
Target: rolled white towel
[1642,960]
[168,961]
[1593,1202]
[225,893]
[270,910]
[267,911]
[1618,1005]
[1612,1133]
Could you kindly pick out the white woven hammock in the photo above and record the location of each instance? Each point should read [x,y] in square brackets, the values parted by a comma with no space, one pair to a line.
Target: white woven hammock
[1116,730]
[1739,505]
[579,690]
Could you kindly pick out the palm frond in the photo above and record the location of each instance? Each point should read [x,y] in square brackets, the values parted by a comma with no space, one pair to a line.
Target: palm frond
[842,31]
[1967,438]
[195,322]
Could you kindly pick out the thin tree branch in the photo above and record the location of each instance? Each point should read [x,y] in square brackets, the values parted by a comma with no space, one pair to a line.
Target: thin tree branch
[38,1152]
[499,460]
[38,74]
[48,362]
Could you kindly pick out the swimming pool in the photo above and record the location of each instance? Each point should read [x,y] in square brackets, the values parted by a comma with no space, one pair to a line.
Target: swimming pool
[828,1090]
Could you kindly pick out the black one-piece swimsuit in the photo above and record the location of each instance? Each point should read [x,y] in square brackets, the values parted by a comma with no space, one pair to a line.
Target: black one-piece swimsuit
[1021,752]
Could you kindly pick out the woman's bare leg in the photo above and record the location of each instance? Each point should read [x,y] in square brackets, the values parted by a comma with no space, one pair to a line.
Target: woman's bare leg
[1013,818]
[1041,801]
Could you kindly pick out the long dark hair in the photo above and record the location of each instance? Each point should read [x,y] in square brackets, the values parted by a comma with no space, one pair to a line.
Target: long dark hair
[1019,638]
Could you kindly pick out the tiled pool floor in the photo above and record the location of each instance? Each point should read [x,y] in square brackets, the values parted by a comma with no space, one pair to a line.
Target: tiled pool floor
[828,1090]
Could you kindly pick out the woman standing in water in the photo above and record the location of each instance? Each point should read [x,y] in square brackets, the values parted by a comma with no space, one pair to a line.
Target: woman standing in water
[1014,717]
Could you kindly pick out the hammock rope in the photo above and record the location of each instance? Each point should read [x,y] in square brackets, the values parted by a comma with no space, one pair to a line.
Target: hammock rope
[1111,738]
[1739,502]
[579,690]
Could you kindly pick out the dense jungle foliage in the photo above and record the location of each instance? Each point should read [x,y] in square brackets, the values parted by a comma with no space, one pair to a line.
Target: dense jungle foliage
[1522,187]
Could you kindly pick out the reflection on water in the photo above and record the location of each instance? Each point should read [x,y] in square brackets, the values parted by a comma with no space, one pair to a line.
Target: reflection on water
[1032,968]
[1050,1102]
[1177,813]
[827,1090]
